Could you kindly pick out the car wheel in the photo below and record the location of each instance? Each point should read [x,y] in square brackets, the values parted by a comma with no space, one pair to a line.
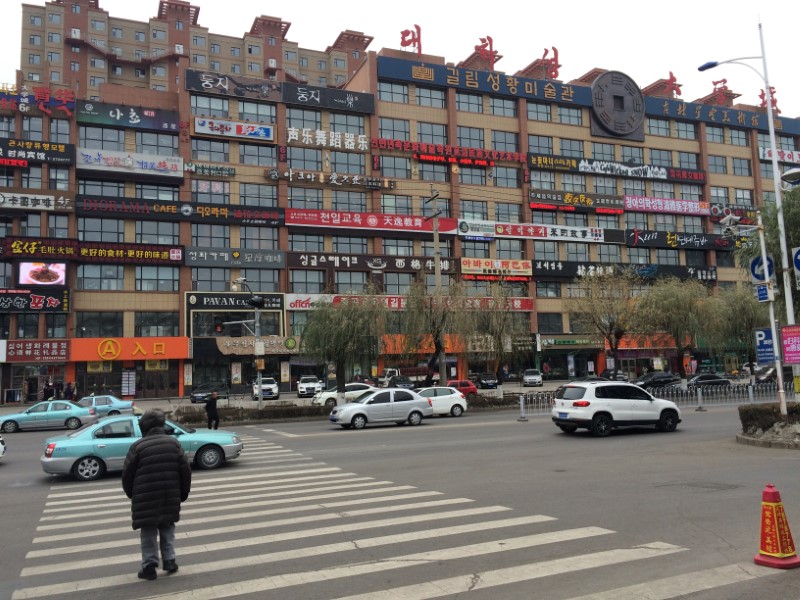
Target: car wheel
[415,418]
[88,468]
[471,396]
[10,427]
[359,422]
[73,423]
[568,428]
[209,457]
[456,410]
[113,413]
[602,425]
[330,402]
[668,421]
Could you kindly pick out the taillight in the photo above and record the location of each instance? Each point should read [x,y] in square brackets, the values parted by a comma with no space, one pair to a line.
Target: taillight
[463,397]
[580,403]
[48,452]
[430,402]
[91,411]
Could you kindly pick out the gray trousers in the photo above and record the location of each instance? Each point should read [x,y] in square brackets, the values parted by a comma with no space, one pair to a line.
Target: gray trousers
[152,538]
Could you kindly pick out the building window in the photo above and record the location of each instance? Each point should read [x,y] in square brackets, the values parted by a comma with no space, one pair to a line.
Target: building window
[301,242]
[139,36]
[431,172]
[53,37]
[211,192]
[109,189]
[548,289]
[431,97]
[544,217]
[210,150]
[663,222]
[397,284]
[32,129]
[608,253]
[205,106]
[101,138]
[257,194]
[344,123]
[57,226]
[661,158]
[157,232]
[395,247]
[540,144]
[639,256]
[396,167]
[159,34]
[635,220]
[576,219]
[257,155]
[715,134]
[302,281]
[205,279]
[607,221]
[577,252]
[339,63]
[347,162]
[470,137]
[573,148]
[543,180]
[259,238]
[510,249]
[505,140]
[432,133]
[717,164]
[305,159]
[473,175]
[507,177]
[32,178]
[156,143]
[101,230]
[58,178]
[741,166]
[686,131]
[156,279]
[349,201]
[666,256]
[691,192]
[602,151]
[605,185]
[663,190]
[657,127]
[159,71]
[394,129]
[569,115]
[349,245]
[396,205]
[300,118]
[393,92]
[573,182]
[743,197]
[739,137]
[100,324]
[633,187]
[692,225]
[350,282]
[503,107]
[101,277]
[469,102]
[155,324]
[265,280]
[688,160]
[150,191]
[539,112]
[633,154]
[55,58]
[550,323]
[471,249]
[211,236]
[474,210]
[695,258]
[725,259]
[308,198]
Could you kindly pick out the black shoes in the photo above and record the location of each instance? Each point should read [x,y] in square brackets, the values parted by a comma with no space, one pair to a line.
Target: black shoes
[170,566]
[149,572]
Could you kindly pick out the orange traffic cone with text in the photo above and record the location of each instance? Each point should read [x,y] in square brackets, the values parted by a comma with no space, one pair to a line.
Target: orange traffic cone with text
[777,546]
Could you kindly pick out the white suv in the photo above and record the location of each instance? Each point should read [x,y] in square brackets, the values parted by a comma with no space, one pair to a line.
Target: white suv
[269,389]
[308,386]
[600,406]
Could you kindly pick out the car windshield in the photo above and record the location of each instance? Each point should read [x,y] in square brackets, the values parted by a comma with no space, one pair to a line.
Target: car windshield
[308,380]
[532,372]
[267,381]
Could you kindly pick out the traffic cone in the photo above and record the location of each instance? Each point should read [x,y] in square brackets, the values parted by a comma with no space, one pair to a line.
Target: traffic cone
[777,546]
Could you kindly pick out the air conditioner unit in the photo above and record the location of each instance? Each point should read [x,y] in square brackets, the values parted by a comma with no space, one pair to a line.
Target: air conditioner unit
[273,64]
[76,34]
[179,48]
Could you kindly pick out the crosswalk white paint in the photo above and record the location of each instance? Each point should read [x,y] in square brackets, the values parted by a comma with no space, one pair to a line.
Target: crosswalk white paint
[273,496]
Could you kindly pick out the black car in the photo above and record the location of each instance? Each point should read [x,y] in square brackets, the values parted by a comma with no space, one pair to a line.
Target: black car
[487,381]
[201,392]
[399,381]
[656,379]
[707,380]
[608,374]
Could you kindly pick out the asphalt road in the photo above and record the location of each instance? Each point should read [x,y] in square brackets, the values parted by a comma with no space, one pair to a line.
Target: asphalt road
[484,507]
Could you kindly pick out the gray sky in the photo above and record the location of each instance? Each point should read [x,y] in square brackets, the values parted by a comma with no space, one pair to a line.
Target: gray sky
[645,40]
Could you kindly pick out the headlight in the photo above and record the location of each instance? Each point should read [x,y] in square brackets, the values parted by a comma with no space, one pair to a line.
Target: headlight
[236,439]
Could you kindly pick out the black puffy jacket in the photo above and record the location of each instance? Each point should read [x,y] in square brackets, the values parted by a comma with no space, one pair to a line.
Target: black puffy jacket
[157,478]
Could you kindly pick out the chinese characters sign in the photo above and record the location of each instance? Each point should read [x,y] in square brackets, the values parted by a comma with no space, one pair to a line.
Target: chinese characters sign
[560,233]
[235,257]
[790,334]
[58,103]
[446,152]
[332,179]
[327,139]
[23,199]
[356,220]
[667,205]
[36,351]
[49,249]
[22,152]
[490,269]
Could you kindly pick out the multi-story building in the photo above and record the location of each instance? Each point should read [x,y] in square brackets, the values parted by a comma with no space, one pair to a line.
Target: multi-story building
[147,165]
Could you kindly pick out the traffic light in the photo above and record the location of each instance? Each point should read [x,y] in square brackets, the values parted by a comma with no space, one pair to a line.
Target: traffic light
[256,301]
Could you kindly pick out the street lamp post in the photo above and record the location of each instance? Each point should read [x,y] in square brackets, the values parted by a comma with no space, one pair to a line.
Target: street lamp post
[437,277]
[776,178]
[257,302]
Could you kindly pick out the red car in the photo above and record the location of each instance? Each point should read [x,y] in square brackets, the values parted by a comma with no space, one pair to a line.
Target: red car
[465,386]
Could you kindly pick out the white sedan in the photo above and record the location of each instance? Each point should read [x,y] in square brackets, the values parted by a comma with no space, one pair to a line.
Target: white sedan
[445,400]
[330,396]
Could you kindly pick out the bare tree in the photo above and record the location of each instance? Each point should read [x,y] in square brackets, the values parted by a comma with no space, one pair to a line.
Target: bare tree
[340,333]
[679,308]
[606,302]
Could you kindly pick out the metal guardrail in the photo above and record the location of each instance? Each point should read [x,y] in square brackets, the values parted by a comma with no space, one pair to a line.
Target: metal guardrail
[540,403]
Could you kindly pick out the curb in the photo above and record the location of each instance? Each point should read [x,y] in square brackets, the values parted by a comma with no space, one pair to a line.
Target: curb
[782,444]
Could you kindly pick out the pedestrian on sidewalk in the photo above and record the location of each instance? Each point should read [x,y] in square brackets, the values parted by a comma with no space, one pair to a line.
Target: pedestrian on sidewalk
[211,411]
[157,478]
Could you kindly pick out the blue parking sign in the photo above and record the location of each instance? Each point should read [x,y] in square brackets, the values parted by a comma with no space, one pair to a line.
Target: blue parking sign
[765,349]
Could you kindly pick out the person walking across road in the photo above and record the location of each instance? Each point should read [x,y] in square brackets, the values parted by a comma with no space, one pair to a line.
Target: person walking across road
[211,411]
[157,478]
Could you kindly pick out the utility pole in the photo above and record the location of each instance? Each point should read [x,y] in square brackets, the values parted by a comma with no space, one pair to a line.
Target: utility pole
[257,302]
[437,278]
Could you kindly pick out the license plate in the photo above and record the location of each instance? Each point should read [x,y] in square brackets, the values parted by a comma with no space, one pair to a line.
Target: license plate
[562,415]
